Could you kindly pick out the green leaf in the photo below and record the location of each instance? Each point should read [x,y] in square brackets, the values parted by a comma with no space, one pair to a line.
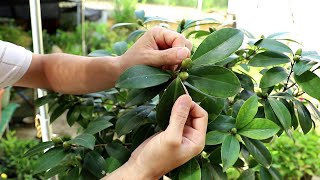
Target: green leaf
[190,170]
[230,151]
[274,45]
[278,35]
[49,160]
[123,24]
[268,58]
[281,112]
[271,173]
[301,67]
[85,140]
[215,137]
[140,96]
[167,100]
[260,129]
[206,171]
[132,37]
[95,164]
[308,81]
[98,125]
[269,114]
[73,115]
[218,46]
[58,112]
[54,171]
[260,153]
[112,164]
[222,123]
[118,151]
[218,174]
[99,53]
[133,119]
[273,76]
[120,47]
[86,111]
[246,81]
[212,105]
[140,14]
[142,76]
[44,100]
[247,175]
[141,134]
[215,81]
[39,148]
[247,112]
[304,117]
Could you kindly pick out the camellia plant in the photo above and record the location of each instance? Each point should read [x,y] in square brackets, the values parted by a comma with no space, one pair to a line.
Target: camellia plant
[253,89]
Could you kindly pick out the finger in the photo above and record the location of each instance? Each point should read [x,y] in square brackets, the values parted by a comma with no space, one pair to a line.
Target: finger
[168,57]
[200,118]
[189,44]
[179,116]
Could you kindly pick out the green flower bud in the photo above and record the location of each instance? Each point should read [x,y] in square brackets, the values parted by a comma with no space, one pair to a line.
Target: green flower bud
[57,140]
[186,64]
[182,23]
[139,21]
[183,75]
[212,29]
[296,58]
[298,52]
[233,131]
[67,145]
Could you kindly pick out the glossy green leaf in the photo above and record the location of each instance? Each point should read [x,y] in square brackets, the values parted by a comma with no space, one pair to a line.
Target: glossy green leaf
[269,114]
[95,164]
[140,96]
[190,170]
[39,148]
[44,100]
[85,140]
[246,82]
[259,128]
[273,45]
[218,46]
[269,174]
[213,106]
[215,137]
[73,115]
[222,123]
[268,58]
[141,134]
[118,151]
[167,100]
[273,76]
[133,36]
[315,109]
[54,171]
[123,24]
[218,174]
[215,81]
[308,81]
[281,112]
[74,174]
[260,153]
[120,48]
[304,117]
[142,76]
[58,112]
[236,107]
[206,171]
[49,160]
[301,67]
[140,14]
[99,53]
[112,164]
[247,175]
[247,112]
[230,151]
[133,119]
[98,125]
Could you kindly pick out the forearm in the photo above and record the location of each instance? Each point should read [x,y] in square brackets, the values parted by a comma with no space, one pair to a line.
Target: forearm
[72,74]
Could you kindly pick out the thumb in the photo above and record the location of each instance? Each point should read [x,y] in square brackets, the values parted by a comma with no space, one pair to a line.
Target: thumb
[179,116]
[171,56]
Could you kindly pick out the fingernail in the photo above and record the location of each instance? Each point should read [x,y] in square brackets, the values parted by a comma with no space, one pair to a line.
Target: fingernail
[182,53]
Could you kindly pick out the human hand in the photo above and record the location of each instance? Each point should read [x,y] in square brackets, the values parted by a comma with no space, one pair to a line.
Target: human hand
[183,139]
[158,47]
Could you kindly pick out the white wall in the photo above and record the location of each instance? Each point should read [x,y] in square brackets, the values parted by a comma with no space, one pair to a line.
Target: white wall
[300,17]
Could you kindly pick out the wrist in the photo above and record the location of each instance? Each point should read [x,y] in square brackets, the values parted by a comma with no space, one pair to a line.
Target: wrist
[134,171]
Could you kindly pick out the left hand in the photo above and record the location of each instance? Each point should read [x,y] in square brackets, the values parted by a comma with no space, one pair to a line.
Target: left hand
[158,47]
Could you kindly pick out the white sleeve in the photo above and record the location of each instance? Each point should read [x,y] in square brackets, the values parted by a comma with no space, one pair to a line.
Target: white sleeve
[14,63]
